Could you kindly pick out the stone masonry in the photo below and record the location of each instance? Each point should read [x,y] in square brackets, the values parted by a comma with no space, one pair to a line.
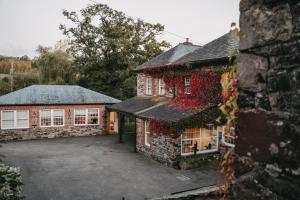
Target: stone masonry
[69,129]
[162,148]
[268,153]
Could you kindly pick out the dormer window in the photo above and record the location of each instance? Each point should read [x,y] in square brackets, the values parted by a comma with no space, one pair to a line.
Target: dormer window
[161,85]
[149,86]
[187,82]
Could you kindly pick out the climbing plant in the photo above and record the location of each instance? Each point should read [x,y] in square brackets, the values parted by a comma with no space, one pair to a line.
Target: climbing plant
[230,109]
[204,86]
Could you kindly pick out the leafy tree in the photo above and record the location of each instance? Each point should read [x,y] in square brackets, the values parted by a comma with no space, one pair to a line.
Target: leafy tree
[10,183]
[54,66]
[107,45]
[4,86]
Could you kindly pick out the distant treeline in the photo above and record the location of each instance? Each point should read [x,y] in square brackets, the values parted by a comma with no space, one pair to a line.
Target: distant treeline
[19,65]
[50,67]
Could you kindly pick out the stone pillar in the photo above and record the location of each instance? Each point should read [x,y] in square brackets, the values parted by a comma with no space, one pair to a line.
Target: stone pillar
[268,129]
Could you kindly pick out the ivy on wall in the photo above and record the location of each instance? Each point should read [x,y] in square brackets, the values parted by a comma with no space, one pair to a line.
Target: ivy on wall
[205,85]
[230,109]
[205,95]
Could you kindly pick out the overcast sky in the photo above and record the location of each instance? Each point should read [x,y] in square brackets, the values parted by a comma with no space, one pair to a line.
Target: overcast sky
[24,24]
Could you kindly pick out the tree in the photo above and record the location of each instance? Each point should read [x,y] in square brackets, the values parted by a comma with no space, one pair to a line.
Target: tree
[54,66]
[107,45]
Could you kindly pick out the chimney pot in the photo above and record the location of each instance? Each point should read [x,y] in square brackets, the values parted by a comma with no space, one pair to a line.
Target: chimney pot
[234,29]
[187,41]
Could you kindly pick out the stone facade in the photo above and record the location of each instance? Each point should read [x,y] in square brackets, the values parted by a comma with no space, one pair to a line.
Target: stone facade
[167,150]
[162,148]
[140,88]
[268,154]
[39,133]
[69,129]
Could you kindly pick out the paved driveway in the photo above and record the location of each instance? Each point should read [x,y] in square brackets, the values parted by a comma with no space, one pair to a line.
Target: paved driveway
[85,168]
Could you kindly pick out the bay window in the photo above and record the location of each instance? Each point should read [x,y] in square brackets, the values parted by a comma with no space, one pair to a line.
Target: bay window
[52,118]
[14,119]
[88,116]
[199,140]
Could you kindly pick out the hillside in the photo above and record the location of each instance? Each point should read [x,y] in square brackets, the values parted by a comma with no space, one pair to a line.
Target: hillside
[22,64]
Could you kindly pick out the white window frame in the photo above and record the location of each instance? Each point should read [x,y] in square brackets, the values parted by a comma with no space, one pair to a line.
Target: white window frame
[15,119]
[149,83]
[161,87]
[224,136]
[187,85]
[86,116]
[147,143]
[52,118]
[216,137]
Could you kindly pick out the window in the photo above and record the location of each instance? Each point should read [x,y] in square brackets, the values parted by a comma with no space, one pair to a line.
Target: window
[199,140]
[147,134]
[58,117]
[13,119]
[46,118]
[228,138]
[22,118]
[80,117]
[93,116]
[187,82]
[149,86]
[86,116]
[161,85]
[52,118]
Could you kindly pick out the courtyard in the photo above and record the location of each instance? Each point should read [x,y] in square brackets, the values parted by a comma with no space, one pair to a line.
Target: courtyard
[96,167]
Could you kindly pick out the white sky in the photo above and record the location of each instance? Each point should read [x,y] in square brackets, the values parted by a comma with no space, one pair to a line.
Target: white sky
[24,24]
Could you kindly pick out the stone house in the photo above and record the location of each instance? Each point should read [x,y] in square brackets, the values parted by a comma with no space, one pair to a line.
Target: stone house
[48,111]
[176,106]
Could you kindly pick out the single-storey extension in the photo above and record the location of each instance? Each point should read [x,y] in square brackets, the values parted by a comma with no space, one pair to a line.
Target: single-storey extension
[48,111]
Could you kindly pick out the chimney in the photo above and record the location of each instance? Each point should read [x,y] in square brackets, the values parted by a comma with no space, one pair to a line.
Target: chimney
[187,41]
[234,29]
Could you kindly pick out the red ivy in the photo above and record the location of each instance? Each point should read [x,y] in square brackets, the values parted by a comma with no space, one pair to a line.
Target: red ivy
[204,87]
[159,127]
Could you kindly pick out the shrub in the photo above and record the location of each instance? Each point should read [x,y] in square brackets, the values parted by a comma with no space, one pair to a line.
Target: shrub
[10,183]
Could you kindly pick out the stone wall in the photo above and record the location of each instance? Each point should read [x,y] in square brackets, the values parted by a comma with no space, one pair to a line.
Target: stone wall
[162,148]
[39,133]
[268,153]
[140,88]
[167,150]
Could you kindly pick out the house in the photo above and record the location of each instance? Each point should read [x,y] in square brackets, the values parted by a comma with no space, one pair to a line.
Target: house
[176,107]
[48,111]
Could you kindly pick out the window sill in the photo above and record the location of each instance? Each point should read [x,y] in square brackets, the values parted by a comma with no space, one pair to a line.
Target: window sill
[79,125]
[52,126]
[228,144]
[14,128]
[200,152]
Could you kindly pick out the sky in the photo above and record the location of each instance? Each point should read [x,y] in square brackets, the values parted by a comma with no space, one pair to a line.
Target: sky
[25,24]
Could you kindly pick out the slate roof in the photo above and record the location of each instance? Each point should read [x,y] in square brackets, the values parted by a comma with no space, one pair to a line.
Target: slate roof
[149,107]
[55,95]
[170,56]
[217,49]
